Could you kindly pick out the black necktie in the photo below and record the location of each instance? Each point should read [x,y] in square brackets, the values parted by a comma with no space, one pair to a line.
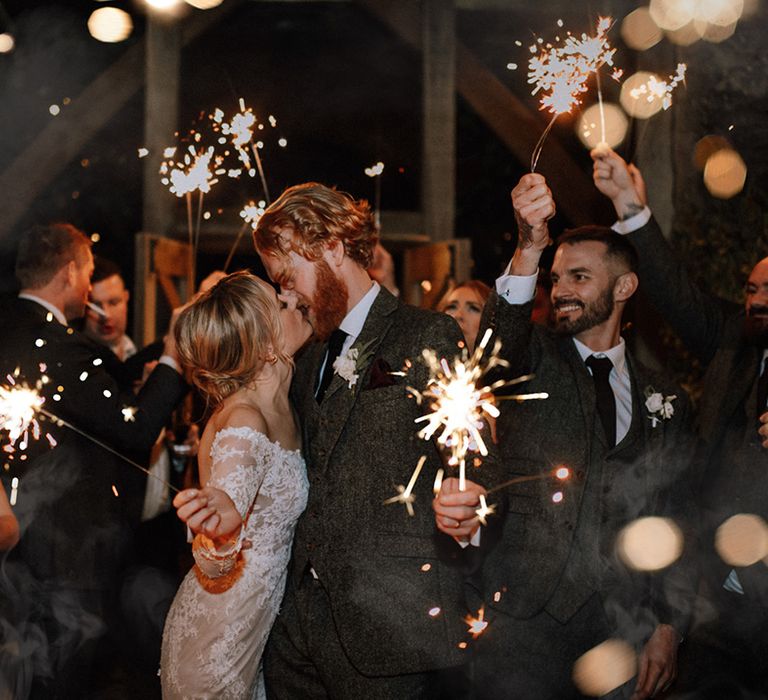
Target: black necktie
[606,402]
[335,343]
[762,390]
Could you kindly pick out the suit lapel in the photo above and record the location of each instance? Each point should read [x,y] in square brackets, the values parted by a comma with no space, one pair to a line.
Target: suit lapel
[339,397]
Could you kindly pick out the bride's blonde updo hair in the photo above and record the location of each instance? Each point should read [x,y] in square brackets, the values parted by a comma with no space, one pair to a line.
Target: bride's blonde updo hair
[226,335]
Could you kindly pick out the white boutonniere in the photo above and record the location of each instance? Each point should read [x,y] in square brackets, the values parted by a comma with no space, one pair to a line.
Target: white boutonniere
[659,406]
[349,364]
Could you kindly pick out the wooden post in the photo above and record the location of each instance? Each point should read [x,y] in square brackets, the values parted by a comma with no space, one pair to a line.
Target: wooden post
[161,112]
[438,181]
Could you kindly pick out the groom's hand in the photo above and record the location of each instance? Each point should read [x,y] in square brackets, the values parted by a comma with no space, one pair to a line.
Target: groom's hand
[455,511]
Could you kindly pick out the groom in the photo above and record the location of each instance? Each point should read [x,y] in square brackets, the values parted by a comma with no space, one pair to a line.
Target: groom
[373,606]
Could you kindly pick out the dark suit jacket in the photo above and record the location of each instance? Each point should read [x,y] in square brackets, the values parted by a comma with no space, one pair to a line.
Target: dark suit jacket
[73,526]
[360,443]
[638,477]
[730,461]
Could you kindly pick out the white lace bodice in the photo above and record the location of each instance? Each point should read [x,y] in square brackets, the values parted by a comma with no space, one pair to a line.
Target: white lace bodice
[222,614]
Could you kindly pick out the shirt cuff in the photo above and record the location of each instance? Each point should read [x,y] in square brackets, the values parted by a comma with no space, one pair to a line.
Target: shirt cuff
[171,362]
[473,541]
[634,222]
[516,289]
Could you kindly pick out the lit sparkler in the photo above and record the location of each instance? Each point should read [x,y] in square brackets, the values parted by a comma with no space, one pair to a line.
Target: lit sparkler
[460,402]
[656,89]
[560,473]
[561,73]
[375,172]
[250,213]
[477,625]
[484,510]
[405,495]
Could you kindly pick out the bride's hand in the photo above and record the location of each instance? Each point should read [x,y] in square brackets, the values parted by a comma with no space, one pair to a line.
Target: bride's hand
[208,511]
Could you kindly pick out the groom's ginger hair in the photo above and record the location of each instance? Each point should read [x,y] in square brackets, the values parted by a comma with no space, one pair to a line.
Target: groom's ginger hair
[317,215]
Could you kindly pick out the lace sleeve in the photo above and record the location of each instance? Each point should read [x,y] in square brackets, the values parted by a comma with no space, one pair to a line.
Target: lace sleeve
[240,458]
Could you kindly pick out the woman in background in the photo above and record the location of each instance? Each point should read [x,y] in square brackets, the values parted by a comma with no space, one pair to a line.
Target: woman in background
[465,303]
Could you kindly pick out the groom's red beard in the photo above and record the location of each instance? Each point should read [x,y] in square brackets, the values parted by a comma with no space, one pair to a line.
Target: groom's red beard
[329,302]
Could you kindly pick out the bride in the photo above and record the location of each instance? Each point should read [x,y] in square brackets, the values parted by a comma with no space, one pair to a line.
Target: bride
[237,343]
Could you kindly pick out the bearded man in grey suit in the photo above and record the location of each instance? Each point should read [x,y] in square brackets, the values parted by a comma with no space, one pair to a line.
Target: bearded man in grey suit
[374,602]
[554,587]
[728,646]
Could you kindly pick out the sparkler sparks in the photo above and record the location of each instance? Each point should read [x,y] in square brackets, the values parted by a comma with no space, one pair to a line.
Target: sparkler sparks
[477,625]
[561,73]
[460,402]
[18,410]
[405,495]
[656,89]
[484,510]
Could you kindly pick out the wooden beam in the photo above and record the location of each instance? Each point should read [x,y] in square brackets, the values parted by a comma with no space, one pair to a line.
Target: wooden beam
[438,165]
[508,117]
[64,137]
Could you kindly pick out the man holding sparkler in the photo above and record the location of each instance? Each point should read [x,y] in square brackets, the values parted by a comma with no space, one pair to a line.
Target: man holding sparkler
[554,585]
[728,648]
[74,500]
[374,601]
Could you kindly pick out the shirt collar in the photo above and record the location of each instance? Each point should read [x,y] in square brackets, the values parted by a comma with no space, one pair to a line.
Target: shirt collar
[354,321]
[617,354]
[123,348]
[58,314]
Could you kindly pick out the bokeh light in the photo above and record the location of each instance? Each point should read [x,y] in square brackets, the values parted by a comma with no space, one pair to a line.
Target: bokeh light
[706,147]
[110,24]
[162,4]
[639,31]
[725,173]
[604,668]
[722,13]
[589,129]
[716,33]
[204,4]
[672,14]
[650,544]
[687,34]
[639,107]
[7,43]
[742,540]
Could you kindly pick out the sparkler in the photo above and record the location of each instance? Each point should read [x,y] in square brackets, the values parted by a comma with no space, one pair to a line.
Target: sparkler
[484,510]
[655,89]
[19,408]
[460,402]
[250,213]
[561,73]
[477,625]
[560,473]
[405,495]
[375,172]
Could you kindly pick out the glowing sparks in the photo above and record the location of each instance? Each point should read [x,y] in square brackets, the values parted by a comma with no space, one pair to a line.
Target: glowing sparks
[561,72]
[375,170]
[194,173]
[655,90]
[252,212]
[477,625]
[129,414]
[484,510]
[114,490]
[405,495]
[18,409]
[434,612]
[438,481]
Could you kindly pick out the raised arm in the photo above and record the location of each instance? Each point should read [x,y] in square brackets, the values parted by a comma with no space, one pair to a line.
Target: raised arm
[697,317]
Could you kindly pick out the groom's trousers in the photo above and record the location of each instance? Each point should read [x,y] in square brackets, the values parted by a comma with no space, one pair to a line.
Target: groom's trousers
[306,659]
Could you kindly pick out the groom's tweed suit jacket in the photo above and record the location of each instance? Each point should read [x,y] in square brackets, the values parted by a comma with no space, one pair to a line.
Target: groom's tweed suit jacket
[360,443]
[731,463]
[554,557]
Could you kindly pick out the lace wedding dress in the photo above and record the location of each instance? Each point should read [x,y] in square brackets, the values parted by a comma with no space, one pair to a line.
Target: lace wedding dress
[224,609]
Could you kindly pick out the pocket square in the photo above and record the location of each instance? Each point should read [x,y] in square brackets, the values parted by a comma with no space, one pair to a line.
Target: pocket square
[380,375]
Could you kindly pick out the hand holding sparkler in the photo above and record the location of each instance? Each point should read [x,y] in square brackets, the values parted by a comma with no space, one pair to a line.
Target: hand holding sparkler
[455,510]
[623,184]
[534,207]
[209,511]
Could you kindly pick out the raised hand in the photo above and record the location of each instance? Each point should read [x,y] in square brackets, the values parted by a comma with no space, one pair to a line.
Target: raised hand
[623,184]
[455,511]
[209,511]
[534,206]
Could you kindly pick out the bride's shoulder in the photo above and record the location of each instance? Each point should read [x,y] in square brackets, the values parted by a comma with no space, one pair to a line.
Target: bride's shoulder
[242,415]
